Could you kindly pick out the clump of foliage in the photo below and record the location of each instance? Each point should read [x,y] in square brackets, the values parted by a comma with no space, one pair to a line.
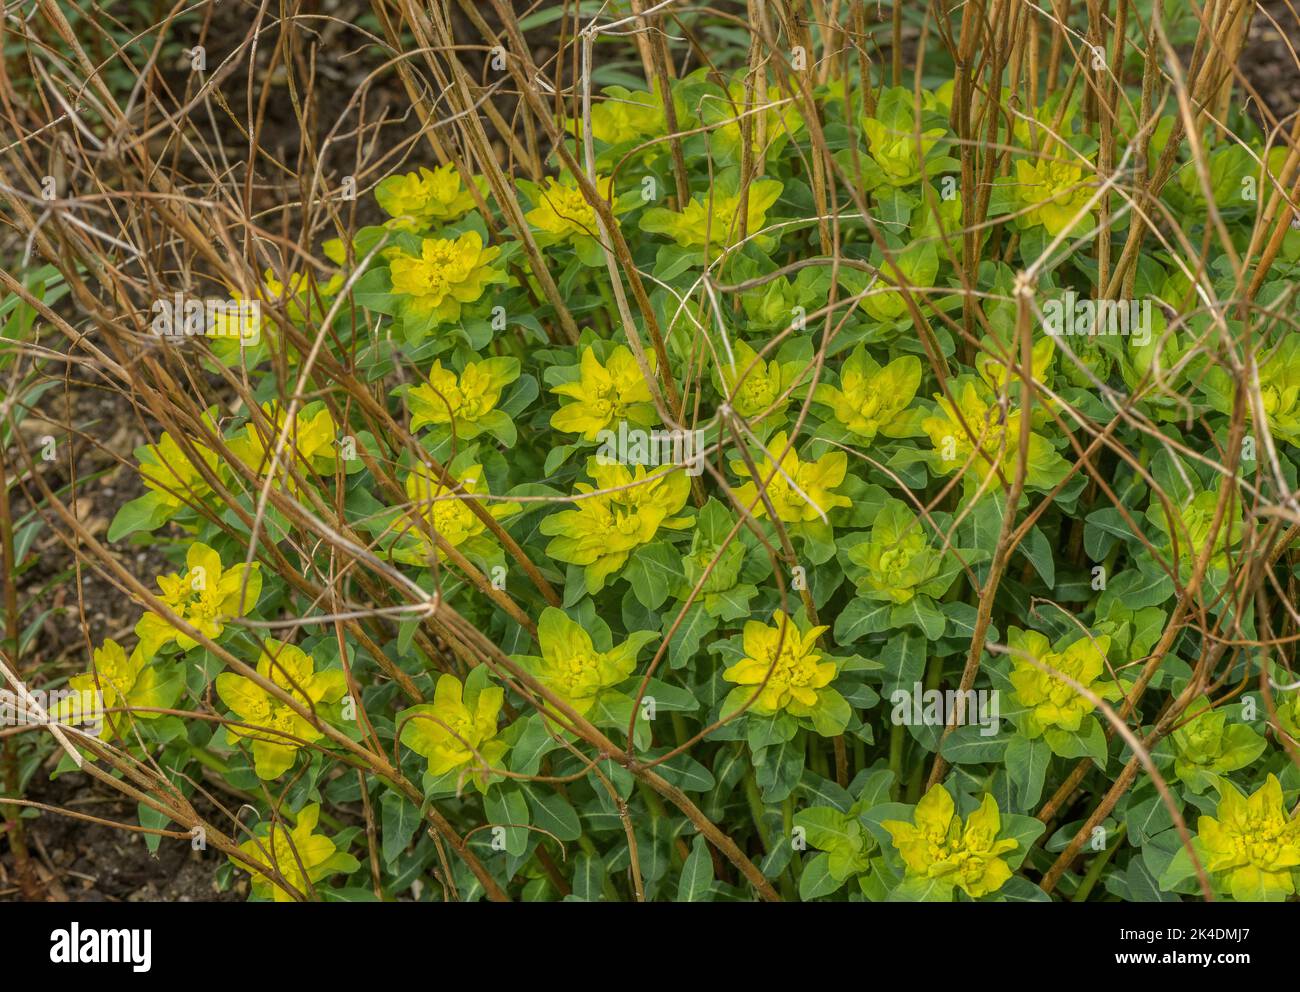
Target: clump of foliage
[716,506]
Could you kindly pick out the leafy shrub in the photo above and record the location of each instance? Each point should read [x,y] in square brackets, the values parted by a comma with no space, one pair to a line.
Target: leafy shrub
[632,531]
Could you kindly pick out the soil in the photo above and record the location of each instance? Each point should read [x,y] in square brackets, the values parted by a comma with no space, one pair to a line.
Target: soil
[1269,58]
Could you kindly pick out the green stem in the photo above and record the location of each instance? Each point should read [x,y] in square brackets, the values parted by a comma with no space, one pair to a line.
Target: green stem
[756,809]
[1097,867]
[933,676]
[897,735]
[787,824]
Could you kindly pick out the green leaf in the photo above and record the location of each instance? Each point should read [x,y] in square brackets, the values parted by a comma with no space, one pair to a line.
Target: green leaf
[969,745]
[915,889]
[919,611]
[696,882]
[148,513]
[653,570]
[151,819]
[506,807]
[551,812]
[1027,763]
[861,617]
[817,880]
[903,657]
[1146,819]
[588,878]
[685,644]
[1039,552]
[400,819]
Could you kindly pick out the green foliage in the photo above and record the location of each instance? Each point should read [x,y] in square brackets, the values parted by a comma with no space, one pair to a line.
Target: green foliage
[764,569]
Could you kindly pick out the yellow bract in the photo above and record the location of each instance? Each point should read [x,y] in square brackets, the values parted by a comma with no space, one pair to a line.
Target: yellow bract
[975,421]
[800,491]
[452,731]
[896,151]
[604,395]
[936,844]
[446,510]
[417,201]
[168,471]
[116,681]
[462,401]
[300,855]
[446,275]
[572,668]
[789,661]
[626,115]
[626,510]
[771,116]
[1279,390]
[715,219]
[311,443]
[871,399]
[563,213]
[275,729]
[1055,194]
[758,389]
[1052,702]
[205,597]
[1254,844]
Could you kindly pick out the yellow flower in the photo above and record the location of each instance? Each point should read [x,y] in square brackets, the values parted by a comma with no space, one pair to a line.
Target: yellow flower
[917,268]
[801,491]
[994,370]
[205,597]
[1054,191]
[445,509]
[241,334]
[627,511]
[312,440]
[627,115]
[936,845]
[1279,390]
[715,219]
[897,559]
[1254,845]
[451,729]
[116,681]
[467,402]
[871,399]
[756,387]
[1051,701]
[417,201]
[167,470]
[798,673]
[276,730]
[300,855]
[572,668]
[446,275]
[895,151]
[563,213]
[777,119]
[296,292]
[605,394]
[998,441]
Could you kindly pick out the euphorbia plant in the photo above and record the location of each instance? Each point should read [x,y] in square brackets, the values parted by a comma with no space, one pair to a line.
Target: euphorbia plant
[563,530]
